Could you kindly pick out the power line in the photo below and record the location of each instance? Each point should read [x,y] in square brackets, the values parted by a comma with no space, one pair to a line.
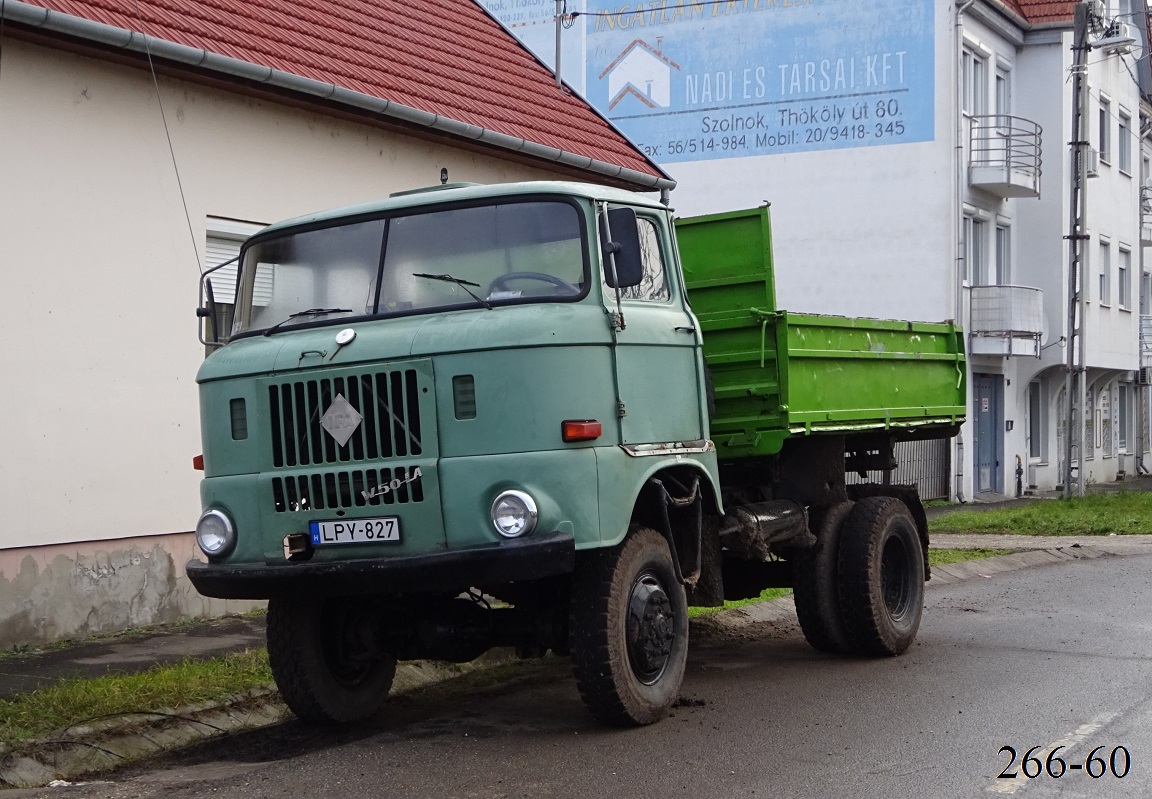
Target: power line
[690,4]
[167,135]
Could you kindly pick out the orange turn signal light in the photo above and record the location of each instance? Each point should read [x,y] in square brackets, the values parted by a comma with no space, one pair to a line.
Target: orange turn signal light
[581,430]
[198,463]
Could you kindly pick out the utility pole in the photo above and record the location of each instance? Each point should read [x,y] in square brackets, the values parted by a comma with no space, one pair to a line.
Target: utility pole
[559,37]
[1075,378]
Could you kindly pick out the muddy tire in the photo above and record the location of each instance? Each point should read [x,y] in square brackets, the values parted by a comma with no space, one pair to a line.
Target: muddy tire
[628,630]
[881,576]
[323,662]
[816,589]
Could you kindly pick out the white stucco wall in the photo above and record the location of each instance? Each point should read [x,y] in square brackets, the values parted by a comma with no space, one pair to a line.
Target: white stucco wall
[860,231]
[100,271]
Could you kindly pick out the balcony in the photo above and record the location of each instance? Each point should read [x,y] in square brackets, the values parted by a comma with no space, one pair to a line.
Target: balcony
[1004,156]
[1006,320]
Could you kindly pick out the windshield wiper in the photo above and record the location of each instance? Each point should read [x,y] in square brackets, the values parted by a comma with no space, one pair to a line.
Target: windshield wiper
[309,312]
[464,284]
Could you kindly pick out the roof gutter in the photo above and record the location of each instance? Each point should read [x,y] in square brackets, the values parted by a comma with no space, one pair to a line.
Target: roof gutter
[109,35]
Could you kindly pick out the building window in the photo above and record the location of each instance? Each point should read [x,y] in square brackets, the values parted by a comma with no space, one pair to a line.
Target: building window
[975,83]
[1104,131]
[1124,279]
[1104,291]
[221,245]
[1124,143]
[1146,293]
[1089,425]
[1036,420]
[976,249]
[1003,255]
[1003,99]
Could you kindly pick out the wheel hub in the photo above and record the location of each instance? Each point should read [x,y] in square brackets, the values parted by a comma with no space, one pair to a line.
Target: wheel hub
[651,628]
[895,578]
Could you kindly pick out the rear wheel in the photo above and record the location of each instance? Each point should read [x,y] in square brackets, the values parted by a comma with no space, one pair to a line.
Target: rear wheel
[324,659]
[816,589]
[881,577]
[628,630]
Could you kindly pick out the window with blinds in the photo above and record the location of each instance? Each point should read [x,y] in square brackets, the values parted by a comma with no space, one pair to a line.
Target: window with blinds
[222,244]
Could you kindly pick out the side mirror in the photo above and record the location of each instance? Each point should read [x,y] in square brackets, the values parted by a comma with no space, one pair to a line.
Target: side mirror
[210,332]
[621,249]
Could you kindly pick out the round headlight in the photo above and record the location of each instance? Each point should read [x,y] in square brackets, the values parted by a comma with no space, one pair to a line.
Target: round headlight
[215,533]
[514,514]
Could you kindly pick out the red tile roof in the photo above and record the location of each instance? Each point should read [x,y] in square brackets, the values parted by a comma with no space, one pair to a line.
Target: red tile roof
[443,57]
[1041,11]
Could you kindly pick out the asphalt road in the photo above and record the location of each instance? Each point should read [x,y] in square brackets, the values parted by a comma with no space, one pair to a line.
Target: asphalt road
[1040,657]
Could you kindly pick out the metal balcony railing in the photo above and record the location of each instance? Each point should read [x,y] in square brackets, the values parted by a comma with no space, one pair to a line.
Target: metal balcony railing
[1006,320]
[1005,155]
[1145,340]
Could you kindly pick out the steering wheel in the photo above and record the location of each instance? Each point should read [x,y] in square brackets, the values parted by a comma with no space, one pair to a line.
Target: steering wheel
[501,283]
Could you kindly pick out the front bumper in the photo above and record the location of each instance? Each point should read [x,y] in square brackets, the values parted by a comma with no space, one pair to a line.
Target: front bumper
[454,570]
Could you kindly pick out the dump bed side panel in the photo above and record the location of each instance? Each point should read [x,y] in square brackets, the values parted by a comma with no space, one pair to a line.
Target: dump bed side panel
[778,374]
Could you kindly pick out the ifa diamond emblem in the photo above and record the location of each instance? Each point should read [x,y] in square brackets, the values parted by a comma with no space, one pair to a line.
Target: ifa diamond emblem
[341,420]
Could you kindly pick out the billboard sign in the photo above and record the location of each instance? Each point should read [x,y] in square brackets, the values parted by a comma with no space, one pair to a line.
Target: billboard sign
[691,80]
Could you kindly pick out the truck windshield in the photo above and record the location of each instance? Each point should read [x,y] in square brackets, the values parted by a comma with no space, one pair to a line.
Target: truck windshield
[484,257]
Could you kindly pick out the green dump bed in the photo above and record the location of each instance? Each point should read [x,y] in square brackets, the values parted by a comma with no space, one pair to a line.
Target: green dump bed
[778,374]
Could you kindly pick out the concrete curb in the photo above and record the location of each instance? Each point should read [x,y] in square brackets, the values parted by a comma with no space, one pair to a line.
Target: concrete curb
[105,744]
[109,743]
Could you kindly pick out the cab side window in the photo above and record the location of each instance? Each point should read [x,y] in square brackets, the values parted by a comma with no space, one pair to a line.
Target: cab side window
[654,285]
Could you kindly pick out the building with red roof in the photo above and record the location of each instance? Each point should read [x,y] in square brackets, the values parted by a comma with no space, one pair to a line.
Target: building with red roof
[144,140]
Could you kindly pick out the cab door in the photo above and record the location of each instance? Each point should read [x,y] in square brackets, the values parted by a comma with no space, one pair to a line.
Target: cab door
[657,341]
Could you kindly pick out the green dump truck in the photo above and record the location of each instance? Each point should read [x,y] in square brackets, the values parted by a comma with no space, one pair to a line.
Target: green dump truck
[548,416]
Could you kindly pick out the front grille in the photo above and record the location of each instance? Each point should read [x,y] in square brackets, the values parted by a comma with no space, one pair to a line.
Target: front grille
[352,489]
[388,401]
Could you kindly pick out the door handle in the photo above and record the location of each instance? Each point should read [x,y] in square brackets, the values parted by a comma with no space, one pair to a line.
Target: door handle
[684,329]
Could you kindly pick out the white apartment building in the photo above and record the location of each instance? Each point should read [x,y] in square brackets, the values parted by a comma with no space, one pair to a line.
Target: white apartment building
[916,155]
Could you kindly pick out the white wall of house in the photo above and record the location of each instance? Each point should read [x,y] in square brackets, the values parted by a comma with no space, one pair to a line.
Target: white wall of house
[100,266]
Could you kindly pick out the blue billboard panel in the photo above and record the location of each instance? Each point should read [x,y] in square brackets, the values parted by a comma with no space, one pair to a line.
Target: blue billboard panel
[691,80]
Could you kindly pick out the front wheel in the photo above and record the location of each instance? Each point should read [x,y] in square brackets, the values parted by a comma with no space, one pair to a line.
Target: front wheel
[324,660]
[881,567]
[628,630]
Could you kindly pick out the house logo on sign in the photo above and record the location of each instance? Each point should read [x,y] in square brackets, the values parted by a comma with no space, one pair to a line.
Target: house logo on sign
[642,72]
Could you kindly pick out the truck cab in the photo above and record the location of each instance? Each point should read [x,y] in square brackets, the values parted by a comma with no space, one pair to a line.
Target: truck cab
[440,400]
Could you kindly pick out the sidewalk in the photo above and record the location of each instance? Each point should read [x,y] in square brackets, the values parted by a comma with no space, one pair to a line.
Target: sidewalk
[130,652]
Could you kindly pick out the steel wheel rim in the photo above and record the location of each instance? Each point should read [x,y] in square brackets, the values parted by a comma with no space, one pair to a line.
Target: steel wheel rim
[348,659]
[650,628]
[896,578]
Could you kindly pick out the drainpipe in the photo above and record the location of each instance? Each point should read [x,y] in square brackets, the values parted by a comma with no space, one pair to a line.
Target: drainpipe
[957,208]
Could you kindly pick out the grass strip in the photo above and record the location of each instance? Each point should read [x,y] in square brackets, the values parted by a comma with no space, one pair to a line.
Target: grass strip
[77,699]
[1122,513]
[942,557]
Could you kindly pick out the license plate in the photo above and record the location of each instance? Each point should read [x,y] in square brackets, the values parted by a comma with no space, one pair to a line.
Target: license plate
[355,531]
